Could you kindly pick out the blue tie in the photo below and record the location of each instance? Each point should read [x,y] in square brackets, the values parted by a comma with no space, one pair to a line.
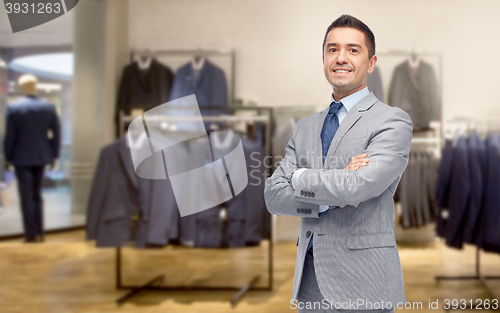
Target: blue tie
[330,127]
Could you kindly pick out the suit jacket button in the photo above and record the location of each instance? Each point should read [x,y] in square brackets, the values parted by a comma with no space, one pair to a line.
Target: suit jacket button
[298,210]
[309,211]
[302,192]
[312,193]
[308,234]
[308,193]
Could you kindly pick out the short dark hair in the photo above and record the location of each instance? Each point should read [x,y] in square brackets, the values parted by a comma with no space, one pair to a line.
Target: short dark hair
[346,20]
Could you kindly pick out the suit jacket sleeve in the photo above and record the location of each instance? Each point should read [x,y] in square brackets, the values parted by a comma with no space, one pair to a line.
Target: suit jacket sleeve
[123,102]
[220,94]
[388,151]
[97,196]
[10,135]
[55,141]
[279,194]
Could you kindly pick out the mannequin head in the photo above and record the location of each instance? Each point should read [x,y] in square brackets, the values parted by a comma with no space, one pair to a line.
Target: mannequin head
[28,84]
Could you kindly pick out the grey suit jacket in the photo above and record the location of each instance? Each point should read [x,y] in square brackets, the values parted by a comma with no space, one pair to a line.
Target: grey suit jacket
[355,252]
[418,95]
[117,193]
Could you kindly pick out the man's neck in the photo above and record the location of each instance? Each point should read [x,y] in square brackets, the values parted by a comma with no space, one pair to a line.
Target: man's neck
[341,94]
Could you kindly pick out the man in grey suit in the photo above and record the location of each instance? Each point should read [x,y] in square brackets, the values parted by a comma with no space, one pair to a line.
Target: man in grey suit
[347,258]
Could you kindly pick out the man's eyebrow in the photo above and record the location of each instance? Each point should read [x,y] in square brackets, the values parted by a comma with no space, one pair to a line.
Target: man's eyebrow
[334,44]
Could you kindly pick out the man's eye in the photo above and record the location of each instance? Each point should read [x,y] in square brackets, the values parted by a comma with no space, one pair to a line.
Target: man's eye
[354,50]
[332,50]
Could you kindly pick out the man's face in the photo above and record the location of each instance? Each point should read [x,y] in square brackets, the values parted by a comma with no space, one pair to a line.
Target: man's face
[345,60]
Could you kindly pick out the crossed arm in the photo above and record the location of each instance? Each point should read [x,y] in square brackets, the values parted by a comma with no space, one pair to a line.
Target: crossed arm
[388,152]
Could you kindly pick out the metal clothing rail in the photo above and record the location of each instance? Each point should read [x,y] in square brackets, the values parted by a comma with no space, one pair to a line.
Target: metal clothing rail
[478,276]
[155,283]
[204,52]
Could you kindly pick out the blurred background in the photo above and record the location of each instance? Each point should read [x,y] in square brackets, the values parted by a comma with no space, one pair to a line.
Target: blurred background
[259,62]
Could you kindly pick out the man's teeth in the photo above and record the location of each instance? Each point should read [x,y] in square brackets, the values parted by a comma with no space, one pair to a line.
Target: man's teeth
[341,71]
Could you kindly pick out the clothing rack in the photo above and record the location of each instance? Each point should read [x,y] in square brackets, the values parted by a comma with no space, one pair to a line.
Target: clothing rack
[478,276]
[203,52]
[155,283]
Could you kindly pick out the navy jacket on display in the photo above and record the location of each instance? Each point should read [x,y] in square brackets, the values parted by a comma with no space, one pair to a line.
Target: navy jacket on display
[442,190]
[492,213]
[460,189]
[209,86]
[476,193]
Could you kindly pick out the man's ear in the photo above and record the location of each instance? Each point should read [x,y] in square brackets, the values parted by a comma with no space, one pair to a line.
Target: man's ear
[371,65]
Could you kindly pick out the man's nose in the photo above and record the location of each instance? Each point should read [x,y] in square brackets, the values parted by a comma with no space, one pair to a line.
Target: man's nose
[342,57]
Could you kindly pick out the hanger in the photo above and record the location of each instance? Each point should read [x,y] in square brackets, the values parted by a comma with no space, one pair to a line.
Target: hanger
[413,59]
[198,60]
[143,58]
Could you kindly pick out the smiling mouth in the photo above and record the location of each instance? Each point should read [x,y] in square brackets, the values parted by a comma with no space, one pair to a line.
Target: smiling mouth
[341,71]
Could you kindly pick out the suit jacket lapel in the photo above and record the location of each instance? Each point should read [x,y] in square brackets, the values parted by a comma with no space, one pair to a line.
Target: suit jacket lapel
[349,120]
[142,76]
[203,72]
[126,160]
[410,75]
[317,159]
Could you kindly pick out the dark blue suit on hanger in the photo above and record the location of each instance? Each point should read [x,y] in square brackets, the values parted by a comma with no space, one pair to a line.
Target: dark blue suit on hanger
[460,189]
[209,85]
[476,192]
[443,187]
[492,217]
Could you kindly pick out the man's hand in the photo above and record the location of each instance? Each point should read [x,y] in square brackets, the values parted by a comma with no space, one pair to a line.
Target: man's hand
[357,162]
[7,166]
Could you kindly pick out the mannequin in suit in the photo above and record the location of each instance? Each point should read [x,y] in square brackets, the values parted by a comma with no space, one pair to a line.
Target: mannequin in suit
[347,258]
[28,147]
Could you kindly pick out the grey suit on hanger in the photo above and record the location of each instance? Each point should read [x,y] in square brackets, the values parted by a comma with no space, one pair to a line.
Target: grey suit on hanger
[416,95]
[117,194]
[355,252]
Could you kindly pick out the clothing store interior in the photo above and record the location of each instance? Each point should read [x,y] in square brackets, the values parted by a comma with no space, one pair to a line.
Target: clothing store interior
[108,235]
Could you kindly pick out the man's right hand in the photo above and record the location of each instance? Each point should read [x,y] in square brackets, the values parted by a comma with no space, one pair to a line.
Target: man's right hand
[357,162]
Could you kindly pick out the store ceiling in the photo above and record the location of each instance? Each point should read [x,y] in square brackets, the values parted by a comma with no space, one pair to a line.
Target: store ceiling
[58,66]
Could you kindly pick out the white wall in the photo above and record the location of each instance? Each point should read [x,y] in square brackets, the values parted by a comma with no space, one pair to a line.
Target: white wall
[278,43]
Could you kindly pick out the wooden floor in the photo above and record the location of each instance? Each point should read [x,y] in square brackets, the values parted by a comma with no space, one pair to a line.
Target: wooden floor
[66,274]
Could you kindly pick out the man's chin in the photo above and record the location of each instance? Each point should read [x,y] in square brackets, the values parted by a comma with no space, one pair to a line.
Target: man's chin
[341,86]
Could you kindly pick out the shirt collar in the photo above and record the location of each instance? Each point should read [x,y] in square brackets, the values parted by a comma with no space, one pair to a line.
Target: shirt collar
[352,99]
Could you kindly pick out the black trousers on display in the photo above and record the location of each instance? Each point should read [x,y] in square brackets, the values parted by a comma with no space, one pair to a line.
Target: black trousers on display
[29,182]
